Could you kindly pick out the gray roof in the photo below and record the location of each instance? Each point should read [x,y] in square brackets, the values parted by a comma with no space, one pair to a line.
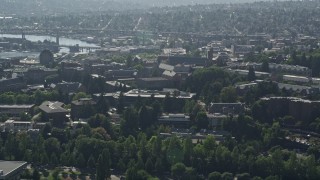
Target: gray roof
[17,106]
[166,67]
[153,79]
[67,87]
[52,107]
[84,101]
[169,73]
[9,167]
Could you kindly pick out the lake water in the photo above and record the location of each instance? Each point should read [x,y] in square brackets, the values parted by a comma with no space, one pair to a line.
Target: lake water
[34,38]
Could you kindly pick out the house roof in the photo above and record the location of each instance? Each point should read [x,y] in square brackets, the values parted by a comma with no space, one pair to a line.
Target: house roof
[153,79]
[166,67]
[53,107]
[169,73]
[83,101]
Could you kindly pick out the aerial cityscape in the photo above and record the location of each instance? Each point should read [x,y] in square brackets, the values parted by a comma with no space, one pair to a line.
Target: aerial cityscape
[159,90]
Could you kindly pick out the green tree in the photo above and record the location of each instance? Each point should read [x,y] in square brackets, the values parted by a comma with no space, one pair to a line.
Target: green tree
[54,159]
[167,103]
[80,95]
[129,124]
[91,162]
[265,66]
[202,120]
[228,95]
[149,166]
[36,174]
[145,117]
[107,162]
[243,176]
[120,105]
[102,105]
[251,74]
[187,150]
[214,176]
[227,176]
[159,165]
[104,164]
[55,174]
[131,173]
[80,161]
[174,154]
[178,170]
[52,145]
[10,146]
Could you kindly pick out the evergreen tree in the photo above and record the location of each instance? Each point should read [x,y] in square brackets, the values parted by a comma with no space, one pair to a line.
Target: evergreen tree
[120,106]
[265,66]
[167,103]
[202,120]
[251,74]
[101,173]
[102,105]
[159,165]
[129,124]
[107,160]
[187,150]
[149,166]
[145,117]
[80,161]
[36,175]
[103,165]
[178,170]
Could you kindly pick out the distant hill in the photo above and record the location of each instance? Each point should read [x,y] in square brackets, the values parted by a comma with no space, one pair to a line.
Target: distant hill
[42,7]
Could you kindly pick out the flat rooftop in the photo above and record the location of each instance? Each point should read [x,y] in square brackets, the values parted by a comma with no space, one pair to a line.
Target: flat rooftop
[9,167]
[24,106]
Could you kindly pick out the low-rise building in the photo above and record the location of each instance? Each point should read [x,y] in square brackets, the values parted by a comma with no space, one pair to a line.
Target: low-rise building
[15,110]
[11,170]
[300,109]
[15,83]
[176,95]
[238,50]
[296,88]
[226,108]
[68,87]
[82,108]
[216,119]
[244,88]
[113,86]
[72,73]
[260,75]
[285,68]
[175,120]
[174,51]
[297,79]
[154,83]
[174,60]
[120,74]
[37,75]
[12,125]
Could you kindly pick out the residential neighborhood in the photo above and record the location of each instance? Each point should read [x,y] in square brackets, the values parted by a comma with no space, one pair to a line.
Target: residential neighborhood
[195,91]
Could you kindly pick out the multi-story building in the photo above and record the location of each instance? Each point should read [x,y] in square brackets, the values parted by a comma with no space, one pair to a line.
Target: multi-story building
[54,111]
[15,110]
